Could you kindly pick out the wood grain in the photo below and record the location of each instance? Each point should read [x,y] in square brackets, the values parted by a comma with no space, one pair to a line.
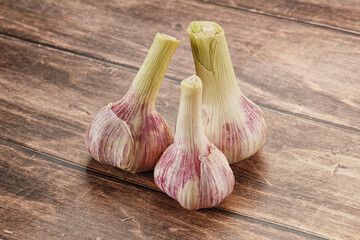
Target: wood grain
[42,199]
[339,15]
[299,69]
[303,179]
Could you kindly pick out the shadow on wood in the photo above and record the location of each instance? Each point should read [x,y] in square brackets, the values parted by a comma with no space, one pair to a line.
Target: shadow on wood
[250,175]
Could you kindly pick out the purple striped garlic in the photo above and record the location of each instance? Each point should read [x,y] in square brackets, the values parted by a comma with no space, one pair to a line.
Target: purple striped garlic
[192,170]
[130,134]
[232,122]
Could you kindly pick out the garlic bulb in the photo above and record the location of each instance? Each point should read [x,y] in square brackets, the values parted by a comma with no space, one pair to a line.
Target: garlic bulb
[232,122]
[130,134]
[192,170]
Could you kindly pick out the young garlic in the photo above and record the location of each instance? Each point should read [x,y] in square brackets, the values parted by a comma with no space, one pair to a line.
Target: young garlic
[232,122]
[130,134]
[192,170]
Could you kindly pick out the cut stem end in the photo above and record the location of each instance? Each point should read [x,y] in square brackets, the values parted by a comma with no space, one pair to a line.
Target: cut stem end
[191,83]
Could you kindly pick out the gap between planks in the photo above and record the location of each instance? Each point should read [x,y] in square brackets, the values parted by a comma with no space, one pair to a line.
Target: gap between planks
[102,175]
[5,238]
[293,19]
[89,56]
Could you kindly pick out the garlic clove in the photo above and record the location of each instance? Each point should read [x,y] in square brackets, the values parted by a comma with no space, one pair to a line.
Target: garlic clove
[192,170]
[130,134]
[232,122]
[109,140]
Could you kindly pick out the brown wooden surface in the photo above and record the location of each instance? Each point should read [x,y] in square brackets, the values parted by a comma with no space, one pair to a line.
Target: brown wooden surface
[339,15]
[63,201]
[303,184]
[273,175]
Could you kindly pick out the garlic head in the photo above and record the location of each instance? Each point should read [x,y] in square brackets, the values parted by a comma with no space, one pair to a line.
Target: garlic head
[192,170]
[235,124]
[130,134]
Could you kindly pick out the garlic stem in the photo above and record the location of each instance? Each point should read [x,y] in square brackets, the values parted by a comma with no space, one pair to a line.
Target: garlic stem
[212,61]
[148,80]
[189,126]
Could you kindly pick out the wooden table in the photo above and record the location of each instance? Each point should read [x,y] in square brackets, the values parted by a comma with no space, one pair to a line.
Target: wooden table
[61,61]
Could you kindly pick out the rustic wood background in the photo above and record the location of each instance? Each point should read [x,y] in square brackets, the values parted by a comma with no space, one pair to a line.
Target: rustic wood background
[61,61]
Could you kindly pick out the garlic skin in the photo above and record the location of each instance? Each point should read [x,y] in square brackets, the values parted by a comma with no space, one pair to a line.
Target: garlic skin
[232,122]
[130,134]
[192,170]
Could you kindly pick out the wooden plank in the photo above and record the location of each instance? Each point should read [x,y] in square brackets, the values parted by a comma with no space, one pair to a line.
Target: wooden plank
[339,15]
[304,178]
[40,199]
[303,70]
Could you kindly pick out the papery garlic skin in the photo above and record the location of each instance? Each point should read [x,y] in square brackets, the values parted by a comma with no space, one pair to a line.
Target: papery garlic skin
[231,121]
[130,134]
[109,139]
[192,170]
